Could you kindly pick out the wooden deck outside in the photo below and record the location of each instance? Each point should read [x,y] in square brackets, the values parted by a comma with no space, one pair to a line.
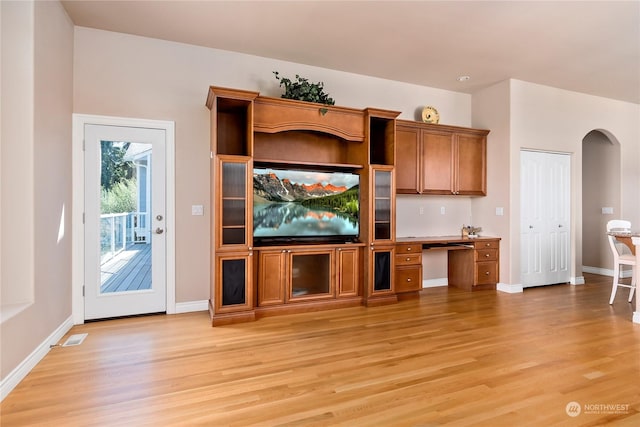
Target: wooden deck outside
[130,270]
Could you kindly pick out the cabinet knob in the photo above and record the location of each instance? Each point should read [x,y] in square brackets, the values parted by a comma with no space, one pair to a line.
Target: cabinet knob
[487,244]
[408,249]
[408,259]
[486,273]
[409,279]
[487,255]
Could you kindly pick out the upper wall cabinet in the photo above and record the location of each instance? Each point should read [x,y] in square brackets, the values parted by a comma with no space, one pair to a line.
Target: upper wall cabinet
[440,159]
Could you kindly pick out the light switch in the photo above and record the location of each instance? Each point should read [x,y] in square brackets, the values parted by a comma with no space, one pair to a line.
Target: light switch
[499,211]
[442,210]
[607,211]
[197,210]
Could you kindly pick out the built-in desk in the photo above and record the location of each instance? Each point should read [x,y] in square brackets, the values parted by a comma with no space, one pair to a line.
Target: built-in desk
[473,263]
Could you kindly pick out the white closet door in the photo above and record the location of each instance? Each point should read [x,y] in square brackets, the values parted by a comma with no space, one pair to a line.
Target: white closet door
[545,217]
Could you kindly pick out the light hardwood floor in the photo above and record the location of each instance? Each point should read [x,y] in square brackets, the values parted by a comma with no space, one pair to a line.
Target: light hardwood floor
[448,358]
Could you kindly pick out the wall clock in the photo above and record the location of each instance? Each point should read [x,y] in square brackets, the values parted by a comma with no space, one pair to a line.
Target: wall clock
[430,115]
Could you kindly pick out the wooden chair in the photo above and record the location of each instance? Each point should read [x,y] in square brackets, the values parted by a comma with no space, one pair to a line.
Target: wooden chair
[621,258]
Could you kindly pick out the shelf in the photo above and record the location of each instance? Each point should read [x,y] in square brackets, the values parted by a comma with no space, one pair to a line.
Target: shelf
[305,165]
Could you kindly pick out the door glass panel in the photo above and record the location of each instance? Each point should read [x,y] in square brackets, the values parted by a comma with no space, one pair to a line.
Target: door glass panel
[382,213]
[234,203]
[125,234]
[310,274]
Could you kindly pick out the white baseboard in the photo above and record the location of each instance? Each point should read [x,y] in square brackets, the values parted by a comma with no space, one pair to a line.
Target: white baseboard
[13,379]
[434,283]
[510,289]
[636,316]
[188,307]
[606,271]
[578,280]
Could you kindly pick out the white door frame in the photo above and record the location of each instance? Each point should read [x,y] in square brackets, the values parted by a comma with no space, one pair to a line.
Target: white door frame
[77,274]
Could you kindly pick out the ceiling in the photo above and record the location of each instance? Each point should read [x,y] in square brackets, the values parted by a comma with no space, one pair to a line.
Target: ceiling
[591,47]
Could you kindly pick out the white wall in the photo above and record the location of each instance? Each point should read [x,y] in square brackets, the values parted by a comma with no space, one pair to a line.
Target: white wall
[170,82]
[16,183]
[546,118]
[41,152]
[491,111]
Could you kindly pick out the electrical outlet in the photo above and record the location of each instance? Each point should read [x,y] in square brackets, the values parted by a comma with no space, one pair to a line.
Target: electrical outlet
[421,210]
[443,210]
[499,211]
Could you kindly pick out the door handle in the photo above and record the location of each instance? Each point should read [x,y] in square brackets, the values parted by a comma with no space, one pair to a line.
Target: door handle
[159,230]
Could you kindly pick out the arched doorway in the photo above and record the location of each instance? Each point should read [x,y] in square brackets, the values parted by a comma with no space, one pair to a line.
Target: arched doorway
[601,198]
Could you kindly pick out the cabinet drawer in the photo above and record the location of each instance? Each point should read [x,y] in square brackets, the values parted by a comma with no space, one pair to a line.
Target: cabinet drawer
[408,248]
[487,255]
[409,259]
[487,244]
[487,273]
[408,279]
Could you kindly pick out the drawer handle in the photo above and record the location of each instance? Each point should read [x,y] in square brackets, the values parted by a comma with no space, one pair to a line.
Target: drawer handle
[486,273]
[408,280]
[487,244]
[408,259]
[408,249]
[486,255]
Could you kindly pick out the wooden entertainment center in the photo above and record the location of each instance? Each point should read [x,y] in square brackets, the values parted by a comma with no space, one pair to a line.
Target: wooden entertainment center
[252,281]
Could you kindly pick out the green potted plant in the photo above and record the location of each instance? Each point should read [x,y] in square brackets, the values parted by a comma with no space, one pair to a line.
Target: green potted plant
[302,90]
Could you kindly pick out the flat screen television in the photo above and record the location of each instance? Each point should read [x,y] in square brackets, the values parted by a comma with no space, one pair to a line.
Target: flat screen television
[305,206]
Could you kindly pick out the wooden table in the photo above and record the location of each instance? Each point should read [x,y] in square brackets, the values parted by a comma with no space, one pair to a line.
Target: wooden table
[626,238]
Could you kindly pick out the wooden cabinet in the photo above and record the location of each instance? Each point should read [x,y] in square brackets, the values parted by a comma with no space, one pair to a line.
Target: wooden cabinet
[309,273]
[379,259]
[408,266]
[233,293]
[439,159]
[475,269]
[232,288]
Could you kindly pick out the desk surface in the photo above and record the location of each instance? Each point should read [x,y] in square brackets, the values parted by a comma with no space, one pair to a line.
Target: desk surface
[425,240]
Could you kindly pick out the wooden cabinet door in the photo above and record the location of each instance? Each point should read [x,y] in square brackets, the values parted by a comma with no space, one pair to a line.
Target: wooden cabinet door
[271,277]
[471,165]
[437,163]
[381,270]
[347,272]
[234,289]
[407,160]
[310,274]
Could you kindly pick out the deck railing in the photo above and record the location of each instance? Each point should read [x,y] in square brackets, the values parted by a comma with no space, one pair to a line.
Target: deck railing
[119,230]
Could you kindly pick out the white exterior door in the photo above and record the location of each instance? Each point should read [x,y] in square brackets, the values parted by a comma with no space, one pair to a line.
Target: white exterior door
[545,203]
[124,235]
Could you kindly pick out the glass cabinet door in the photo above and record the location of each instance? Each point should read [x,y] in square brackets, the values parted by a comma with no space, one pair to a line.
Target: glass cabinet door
[234,210]
[383,199]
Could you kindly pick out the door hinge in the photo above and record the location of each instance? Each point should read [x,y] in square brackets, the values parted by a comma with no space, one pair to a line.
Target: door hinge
[82,290]
[83,217]
[83,141]
[211,154]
